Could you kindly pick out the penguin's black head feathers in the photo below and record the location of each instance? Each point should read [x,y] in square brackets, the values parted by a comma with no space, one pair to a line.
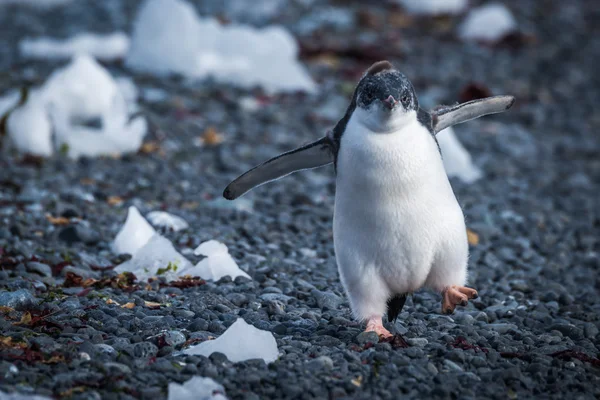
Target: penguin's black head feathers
[385,87]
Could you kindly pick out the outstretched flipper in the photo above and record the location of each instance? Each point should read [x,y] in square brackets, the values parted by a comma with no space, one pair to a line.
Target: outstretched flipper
[313,155]
[444,116]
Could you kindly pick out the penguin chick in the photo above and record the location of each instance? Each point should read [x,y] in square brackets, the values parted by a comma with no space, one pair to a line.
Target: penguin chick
[397,224]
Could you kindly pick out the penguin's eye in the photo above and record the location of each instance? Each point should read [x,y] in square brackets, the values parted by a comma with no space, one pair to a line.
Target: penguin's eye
[368,96]
[405,99]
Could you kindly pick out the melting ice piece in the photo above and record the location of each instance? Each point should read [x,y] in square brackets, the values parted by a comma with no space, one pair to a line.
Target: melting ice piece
[83,106]
[434,7]
[158,257]
[29,128]
[134,234]
[237,54]
[457,160]
[218,262]
[197,388]
[488,23]
[109,47]
[240,342]
[84,91]
[166,220]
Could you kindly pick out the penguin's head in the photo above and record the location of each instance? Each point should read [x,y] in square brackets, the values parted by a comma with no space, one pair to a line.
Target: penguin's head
[385,98]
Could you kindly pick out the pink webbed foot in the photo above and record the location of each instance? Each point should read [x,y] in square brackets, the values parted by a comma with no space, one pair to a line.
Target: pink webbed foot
[375,325]
[456,295]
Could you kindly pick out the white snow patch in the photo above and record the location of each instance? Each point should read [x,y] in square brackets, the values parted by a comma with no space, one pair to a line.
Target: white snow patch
[157,253]
[240,342]
[457,160]
[109,47]
[72,96]
[197,388]
[36,3]
[166,220]
[434,7]
[237,54]
[218,262]
[134,233]
[487,23]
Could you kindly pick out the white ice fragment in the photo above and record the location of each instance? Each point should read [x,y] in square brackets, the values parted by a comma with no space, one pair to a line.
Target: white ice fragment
[29,128]
[134,234]
[240,342]
[169,221]
[157,254]
[487,23]
[217,264]
[197,388]
[434,7]
[109,47]
[83,91]
[457,160]
[80,109]
[237,54]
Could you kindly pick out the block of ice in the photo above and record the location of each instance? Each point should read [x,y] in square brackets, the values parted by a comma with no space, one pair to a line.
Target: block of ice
[488,23]
[86,110]
[434,7]
[197,388]
[84,91]
[157,257]
[109,47]
[218,262]
[457,160]
[237,54]
[29,128]
[166,220]
[240,342]
[134,233]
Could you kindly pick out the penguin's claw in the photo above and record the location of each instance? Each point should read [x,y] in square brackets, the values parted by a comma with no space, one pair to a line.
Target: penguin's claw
[456,295]
[375,325]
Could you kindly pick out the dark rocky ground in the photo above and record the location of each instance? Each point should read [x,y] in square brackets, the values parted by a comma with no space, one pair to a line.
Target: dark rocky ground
[532,333]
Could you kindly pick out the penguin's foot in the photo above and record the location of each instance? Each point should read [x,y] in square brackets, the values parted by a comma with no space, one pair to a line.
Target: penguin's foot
[374,324]
[456,295]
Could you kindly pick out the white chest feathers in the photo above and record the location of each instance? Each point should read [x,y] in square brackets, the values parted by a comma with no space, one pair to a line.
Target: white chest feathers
[395,211]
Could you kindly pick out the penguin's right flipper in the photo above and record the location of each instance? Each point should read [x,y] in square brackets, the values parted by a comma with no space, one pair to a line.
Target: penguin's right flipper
[313,155]
[445,116]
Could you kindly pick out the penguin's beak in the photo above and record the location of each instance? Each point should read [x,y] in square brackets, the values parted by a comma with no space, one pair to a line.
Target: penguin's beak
[390,102]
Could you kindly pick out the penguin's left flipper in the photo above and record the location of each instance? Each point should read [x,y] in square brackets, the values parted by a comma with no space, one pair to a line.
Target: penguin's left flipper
[313,155]
[445,116]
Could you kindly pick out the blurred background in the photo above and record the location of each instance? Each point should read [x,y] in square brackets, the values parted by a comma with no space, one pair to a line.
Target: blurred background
[114,106]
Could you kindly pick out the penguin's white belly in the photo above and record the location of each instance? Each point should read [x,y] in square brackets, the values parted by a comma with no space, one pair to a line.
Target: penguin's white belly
[397,223]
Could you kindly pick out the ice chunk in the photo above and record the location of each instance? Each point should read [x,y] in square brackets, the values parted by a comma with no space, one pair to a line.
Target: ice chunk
[88,114]
[238,54]
[157,257]
[488,23]
[169,221]
[197,388]
[29,128]
[457,160]
[434,7]
[109,47]
[134,234]
[217,264]
[240,342]
[85,91]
